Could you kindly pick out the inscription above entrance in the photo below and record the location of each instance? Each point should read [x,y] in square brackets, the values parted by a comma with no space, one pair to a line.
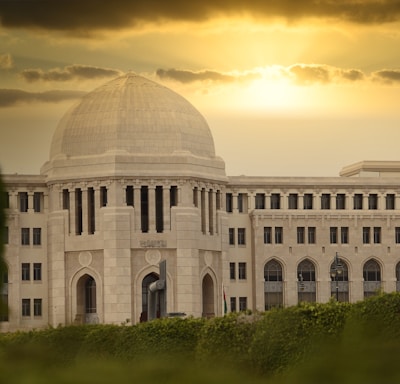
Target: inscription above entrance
[153,243]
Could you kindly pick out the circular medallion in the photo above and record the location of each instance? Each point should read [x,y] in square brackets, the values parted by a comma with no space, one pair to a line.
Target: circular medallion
[153,256]
[85,258]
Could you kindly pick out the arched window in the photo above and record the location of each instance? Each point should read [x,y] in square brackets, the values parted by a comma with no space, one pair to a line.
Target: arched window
[372,278]
[273,286]
[90,295]
[398,277]
[306,281]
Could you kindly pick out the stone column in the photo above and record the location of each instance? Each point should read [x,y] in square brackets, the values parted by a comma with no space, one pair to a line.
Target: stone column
[97,206]
[138,207]
[85,208]
[30,202]
[235,202]
[211,212]
[166,208]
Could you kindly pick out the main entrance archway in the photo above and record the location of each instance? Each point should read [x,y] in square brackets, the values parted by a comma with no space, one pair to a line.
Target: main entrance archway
[148,279]
[86,302]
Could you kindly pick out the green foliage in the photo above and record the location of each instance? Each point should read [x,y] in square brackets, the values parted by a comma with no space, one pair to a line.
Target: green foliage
[285,336]
[226,340]
[309,343]
[3,265]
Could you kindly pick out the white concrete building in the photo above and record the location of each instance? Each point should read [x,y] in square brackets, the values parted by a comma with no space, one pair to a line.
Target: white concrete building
[133,179]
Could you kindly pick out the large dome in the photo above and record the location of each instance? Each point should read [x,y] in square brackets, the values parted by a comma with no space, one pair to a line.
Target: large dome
[132,127]
[134,115]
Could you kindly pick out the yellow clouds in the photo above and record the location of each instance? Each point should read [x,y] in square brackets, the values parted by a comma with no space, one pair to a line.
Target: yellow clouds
[71,72]
[6,61]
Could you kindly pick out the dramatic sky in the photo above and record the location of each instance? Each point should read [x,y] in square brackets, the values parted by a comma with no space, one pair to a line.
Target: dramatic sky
[288,87]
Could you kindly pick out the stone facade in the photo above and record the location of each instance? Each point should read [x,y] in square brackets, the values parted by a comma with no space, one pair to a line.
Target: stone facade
[133,179]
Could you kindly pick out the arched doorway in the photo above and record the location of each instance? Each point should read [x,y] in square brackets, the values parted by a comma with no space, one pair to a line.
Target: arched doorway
[208,296]
[306,290]
[372,278]
[148,279]
[86,311]
[273,285]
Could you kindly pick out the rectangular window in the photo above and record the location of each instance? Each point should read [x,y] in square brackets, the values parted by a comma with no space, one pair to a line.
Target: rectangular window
[218,200]
[397,235]
[233,304]
[232,271]
[23,201]
[231,236]
[25,271]
[241,236]
[340,201]
[260,201]
[344,235]
[37,271]
[366,235]
[196,197]
[65,198]
[173,196]
[312,237]
[275,201]
[242,202]
[333,235]
[6,200]
[242,271]
[358,201]
[293,200]
[144,208]
[308,201]
[26,307]
[377,235]
[25,234]
[37,236]
[278,235]
[390,201]
[300,235]
[78,211]
[267,235]
[229,202]
[129,195]
[326,201]
[373,201]
[37,307]
[103,197]
[6,235]
[37,201]
[242,303]
[91,210]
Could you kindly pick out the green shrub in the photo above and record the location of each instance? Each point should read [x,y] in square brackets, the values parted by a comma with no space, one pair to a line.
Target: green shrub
[284,337]
[225,341]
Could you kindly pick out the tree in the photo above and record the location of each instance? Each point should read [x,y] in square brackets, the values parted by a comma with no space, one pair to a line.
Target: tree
[3,265]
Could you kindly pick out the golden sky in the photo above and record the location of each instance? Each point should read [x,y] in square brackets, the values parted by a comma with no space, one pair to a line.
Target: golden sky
[294,87]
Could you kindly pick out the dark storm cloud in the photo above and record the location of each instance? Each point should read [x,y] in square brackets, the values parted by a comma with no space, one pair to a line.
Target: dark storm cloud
[388,76]
[85,15]
[185,76]
[68,73]
[10,97]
